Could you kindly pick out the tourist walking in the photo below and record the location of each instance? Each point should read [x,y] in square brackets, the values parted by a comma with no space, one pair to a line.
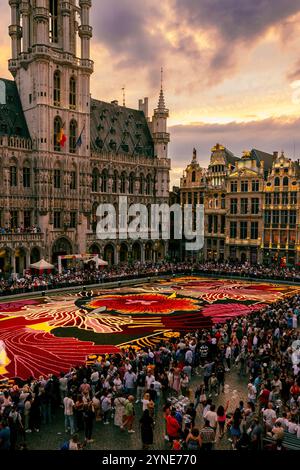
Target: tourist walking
[129,414]
[119,404]
[69,414]
[147,425]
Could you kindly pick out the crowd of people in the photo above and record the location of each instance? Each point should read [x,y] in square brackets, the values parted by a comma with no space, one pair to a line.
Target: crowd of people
[21,229]
[89,275]
[182,379]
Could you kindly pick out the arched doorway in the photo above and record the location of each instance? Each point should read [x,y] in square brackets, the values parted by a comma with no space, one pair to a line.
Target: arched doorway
[109,254]
[20,256]
[5,261]
[35,255]
[136,252]
[160,250]
[94,250]
[61,247]
[149,251]
[123,253]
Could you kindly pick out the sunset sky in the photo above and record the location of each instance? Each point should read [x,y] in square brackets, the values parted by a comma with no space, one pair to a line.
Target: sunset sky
[232,69]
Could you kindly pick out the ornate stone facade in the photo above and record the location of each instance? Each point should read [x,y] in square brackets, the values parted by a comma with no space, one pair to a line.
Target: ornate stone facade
[251,206]
[110,150]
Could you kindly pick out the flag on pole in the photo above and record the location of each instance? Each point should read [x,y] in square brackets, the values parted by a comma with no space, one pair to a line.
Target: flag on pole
[79,140]
[61,138]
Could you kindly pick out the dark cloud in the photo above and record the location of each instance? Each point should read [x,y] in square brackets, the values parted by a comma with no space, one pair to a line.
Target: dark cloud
[236,22]
[123,27]
[237,19]
[268,135]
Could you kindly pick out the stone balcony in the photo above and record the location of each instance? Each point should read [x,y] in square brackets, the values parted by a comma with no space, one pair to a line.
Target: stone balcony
[47,52]
[13,239]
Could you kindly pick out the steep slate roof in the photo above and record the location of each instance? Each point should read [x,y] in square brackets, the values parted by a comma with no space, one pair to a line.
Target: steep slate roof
[119,129]
[230,157]
[12,119]
[267,158]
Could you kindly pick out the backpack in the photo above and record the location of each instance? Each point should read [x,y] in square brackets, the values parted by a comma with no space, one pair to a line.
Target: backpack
[65,446]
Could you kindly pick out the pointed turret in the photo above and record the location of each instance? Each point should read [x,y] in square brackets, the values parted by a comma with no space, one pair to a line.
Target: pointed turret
[159,125]
[161,101]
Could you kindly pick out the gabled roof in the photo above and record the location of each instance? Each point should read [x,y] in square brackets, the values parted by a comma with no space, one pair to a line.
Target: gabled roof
[119,129]
[260,156]
[230,157]
[12,119]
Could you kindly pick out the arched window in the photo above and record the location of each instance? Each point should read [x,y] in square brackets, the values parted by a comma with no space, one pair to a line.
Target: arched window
[53,27]
[73,179]
[123,183]
[57,178]
[131,183]
[115,182]
[72,95]
[94,216]
[148,185]
[277,182]
[13,175]
[73,136]
[56,88]
[285,181]
[26,176]
[95,180]
[57,129]
[142,184]
[193,177]
[104,181]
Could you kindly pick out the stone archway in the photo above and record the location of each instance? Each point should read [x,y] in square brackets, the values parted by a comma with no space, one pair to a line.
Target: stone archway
[20,260]
[94,249]
[35,255]
[61,247]
[5,260]
[149,251]
[109,254]
[123,253]
[136,252]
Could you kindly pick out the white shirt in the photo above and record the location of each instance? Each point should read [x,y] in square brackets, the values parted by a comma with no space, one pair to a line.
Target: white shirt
[212,417]
[251,392]
[206,409]
[95,376]
[284,422]
[228,353]
[118,384]
[68,404]
[63,384]
[292,428]
[157,387]
[145,404]
[269,416]
[149,380]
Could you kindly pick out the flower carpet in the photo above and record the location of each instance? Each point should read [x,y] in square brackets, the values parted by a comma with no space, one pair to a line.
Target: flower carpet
[51,334]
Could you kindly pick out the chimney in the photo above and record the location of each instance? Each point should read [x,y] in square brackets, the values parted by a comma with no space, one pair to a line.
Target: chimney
[275,154]
[143,106]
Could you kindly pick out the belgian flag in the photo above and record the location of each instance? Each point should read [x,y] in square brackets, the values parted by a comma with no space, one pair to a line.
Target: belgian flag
[61,137]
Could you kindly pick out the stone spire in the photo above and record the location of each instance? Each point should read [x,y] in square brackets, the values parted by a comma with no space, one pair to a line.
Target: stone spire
[161,101]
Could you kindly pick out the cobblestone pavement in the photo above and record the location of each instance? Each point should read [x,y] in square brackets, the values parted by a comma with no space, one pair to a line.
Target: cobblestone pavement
[108,437]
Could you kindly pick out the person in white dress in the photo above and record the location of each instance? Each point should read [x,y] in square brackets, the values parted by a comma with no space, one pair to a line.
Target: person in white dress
[119,404]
